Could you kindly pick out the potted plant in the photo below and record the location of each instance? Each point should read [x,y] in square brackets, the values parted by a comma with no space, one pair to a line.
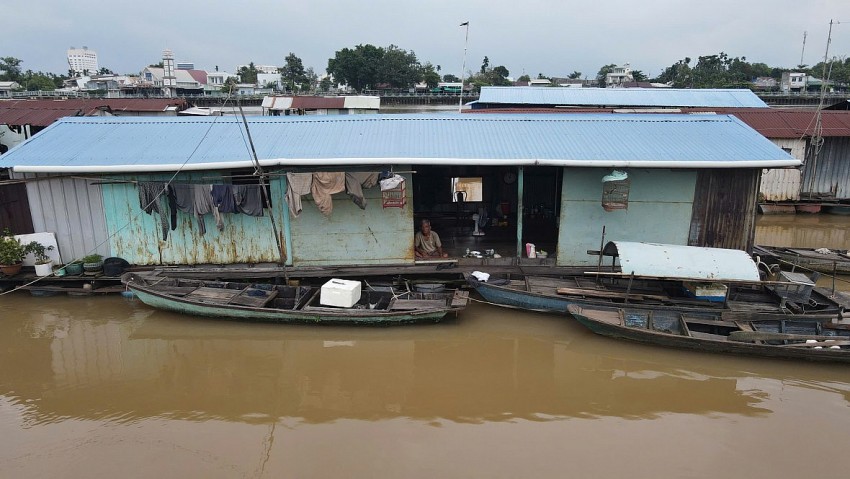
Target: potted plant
[74,268]
[92,263]
[12,254]
[43,263]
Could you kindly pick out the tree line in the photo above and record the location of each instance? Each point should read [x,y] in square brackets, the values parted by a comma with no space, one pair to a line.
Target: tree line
[369,67]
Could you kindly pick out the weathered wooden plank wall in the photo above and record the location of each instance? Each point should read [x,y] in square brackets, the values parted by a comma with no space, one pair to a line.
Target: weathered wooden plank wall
[724,211]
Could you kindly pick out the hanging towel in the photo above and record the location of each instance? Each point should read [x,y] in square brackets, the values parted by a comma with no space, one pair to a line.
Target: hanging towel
[153,198]
[354,184]
[249,199]
[203,205]
[297,185]
[223,199]
[325,185]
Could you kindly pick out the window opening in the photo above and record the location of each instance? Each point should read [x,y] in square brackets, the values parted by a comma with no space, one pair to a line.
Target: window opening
[467,189]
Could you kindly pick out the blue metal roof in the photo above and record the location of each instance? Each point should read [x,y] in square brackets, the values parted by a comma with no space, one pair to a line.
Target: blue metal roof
[625,97]
[114,144]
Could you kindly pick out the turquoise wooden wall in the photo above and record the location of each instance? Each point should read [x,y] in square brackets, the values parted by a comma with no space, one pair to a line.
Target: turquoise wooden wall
[136,236]
[351,236]
[660,209]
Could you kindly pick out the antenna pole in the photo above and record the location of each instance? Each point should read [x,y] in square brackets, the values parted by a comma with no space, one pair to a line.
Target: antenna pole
[802,53]
[463,68]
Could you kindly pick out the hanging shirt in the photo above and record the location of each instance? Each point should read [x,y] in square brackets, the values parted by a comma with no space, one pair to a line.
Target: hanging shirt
[249,199]
[297,185]
[153,198]
[204,204]
[325,185]
[354,184]
[223,198]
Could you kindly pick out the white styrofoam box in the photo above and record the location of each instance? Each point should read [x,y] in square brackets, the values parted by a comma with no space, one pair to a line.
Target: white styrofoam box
[342,293]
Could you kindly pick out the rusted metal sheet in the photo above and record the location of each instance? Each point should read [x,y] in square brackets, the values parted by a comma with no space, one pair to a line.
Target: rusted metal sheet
[725,209]
[351,236]
[15,209]
[137,236]
[829,173]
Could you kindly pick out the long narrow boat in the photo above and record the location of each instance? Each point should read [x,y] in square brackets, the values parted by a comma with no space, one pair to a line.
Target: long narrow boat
[289,304]
[651,275]
[818,259]
[811,337]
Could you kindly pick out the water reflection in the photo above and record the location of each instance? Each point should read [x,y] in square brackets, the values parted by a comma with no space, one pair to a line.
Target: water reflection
[803,231]
[123,362]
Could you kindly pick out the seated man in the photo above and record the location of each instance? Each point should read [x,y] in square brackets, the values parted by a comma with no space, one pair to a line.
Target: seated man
[427,243]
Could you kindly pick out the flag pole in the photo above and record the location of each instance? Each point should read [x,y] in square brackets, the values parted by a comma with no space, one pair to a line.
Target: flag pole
[463,68]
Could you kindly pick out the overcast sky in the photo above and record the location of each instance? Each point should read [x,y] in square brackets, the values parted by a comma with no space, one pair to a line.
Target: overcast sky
[530,36]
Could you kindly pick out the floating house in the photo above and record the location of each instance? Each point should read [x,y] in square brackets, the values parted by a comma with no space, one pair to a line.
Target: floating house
[320,105]
[554,180]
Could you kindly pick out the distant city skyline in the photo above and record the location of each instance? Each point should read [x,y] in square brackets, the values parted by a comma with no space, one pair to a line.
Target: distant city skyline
[537,36]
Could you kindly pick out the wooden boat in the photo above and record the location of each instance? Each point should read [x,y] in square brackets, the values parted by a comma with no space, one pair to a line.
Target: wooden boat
[664,275]
[289,304]
[811,337]
[836,260]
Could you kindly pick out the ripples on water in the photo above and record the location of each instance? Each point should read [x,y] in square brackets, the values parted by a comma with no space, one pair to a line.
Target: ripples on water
[106,387]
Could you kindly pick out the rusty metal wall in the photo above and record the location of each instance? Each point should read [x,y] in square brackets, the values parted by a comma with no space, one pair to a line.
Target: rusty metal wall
[351,236]
[70,208]
[725,209]
[15,209]
[137,237]
[830,172]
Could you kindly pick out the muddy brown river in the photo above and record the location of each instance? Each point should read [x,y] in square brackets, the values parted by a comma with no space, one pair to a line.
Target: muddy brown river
[105,387]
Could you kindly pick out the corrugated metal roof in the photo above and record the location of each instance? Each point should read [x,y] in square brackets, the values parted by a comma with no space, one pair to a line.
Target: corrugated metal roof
[45,112]
[665,97]
[593,140]
[687,262]
[770,122]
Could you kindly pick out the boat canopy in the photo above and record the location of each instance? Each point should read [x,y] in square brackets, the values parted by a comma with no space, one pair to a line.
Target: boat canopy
[683,262]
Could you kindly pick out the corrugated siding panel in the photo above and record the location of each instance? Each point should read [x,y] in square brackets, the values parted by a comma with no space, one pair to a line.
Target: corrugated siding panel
[780,184]
[664,97]
[725,209]
[72,209]
[137,236]
[830,173]
[375,235]
[381,139]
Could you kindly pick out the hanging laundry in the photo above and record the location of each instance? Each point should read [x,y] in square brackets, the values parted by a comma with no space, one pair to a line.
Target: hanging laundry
[223,199]
[297,185]
[325,185]
[249,199]
[184,197]
[152,197]
[204,204]
[354,184]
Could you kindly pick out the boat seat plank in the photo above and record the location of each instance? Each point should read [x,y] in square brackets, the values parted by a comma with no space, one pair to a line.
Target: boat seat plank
[411,304]
[175,290]
[245,298]
[213,295]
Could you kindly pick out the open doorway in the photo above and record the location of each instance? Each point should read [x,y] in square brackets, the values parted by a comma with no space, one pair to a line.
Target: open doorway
[477,208]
